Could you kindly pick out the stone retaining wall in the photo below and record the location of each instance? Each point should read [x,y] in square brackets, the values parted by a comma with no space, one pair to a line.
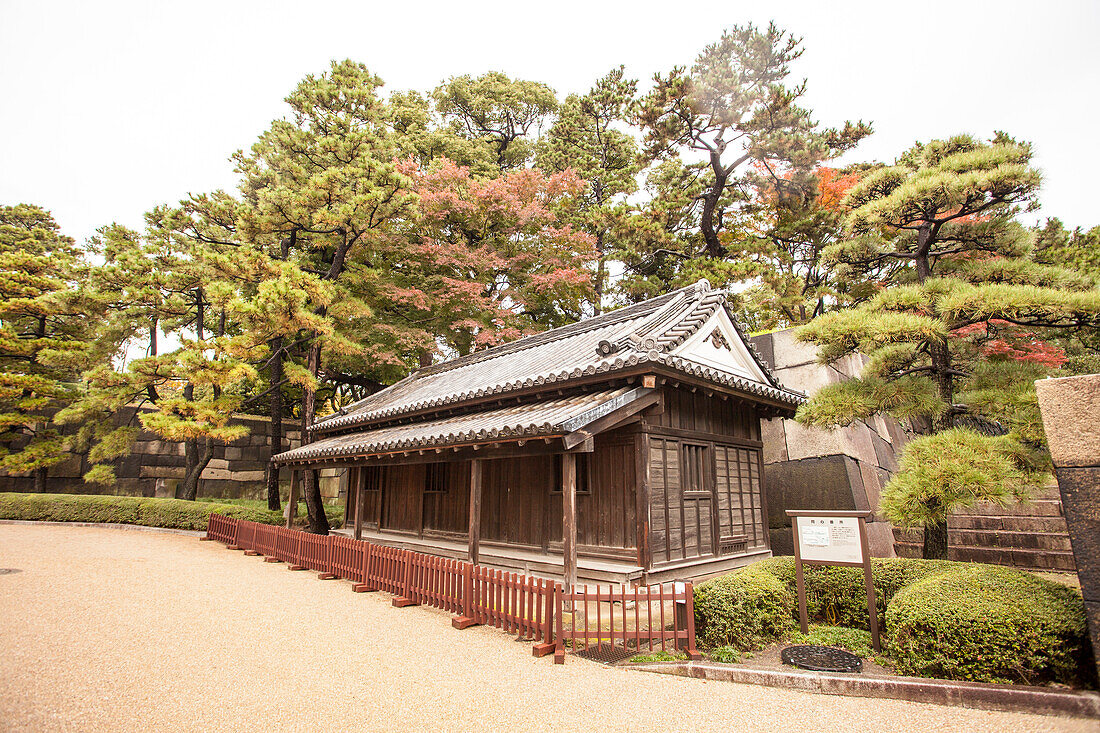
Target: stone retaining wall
[155,467]
[811,468]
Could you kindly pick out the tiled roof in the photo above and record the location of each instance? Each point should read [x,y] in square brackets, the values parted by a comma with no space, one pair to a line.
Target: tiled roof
[548,418]
[618,340]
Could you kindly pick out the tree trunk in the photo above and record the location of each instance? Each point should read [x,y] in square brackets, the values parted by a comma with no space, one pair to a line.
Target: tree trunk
[935,542]
[714,247]
[601,273]
[276,414]
[196,463]
[318,522]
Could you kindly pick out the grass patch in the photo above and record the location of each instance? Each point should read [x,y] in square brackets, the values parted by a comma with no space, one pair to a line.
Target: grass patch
[856,641]
[658,657]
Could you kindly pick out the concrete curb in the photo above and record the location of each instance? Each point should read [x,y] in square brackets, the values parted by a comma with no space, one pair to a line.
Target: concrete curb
[980,695]
[109,525]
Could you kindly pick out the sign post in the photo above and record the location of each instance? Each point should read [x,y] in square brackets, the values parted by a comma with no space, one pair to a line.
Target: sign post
[832,538]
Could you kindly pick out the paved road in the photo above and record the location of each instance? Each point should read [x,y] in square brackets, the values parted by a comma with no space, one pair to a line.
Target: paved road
[107,629]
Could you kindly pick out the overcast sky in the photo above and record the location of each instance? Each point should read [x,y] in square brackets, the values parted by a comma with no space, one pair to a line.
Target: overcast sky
[109,108]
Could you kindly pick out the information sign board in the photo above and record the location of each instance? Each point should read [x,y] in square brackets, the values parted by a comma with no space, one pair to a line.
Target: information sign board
[829,539]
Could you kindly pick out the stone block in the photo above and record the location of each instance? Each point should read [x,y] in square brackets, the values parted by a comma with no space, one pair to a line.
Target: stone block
[774,436]
[176,472]
[218,464]
[880,539]
[872,485]
[1080,489]
[232,453]
[71,467]
[787,351]
[1069,407]
[831,482]
[808,378]
[884,452]
[853,441]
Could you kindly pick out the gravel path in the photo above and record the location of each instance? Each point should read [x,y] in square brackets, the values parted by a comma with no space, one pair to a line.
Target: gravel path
[109,630]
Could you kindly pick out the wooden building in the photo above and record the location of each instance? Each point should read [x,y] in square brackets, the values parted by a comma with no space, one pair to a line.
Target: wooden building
[624,447]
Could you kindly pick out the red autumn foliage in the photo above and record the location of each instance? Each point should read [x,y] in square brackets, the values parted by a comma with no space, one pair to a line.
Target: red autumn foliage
[997,338]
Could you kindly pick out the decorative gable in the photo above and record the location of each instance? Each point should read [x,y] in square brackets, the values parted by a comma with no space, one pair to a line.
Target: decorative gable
[718,344]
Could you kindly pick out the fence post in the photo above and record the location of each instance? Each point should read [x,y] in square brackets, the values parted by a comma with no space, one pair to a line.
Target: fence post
[559,635]
[329,562]
[236,531]
[365,586]
[689,603]
[296,560]
[546,632]
[406,599]
[466,620]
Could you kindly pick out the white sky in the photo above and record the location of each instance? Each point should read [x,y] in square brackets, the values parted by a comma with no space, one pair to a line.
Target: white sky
[108,108]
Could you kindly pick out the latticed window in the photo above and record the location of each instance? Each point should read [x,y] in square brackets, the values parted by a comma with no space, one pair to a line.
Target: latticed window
[435,478]
[695,467]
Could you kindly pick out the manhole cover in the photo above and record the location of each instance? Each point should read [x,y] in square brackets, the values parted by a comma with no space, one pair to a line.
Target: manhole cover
[821,658]
[8,571]
[606,654]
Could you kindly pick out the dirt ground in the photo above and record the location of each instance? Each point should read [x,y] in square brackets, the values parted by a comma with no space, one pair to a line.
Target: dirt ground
[116,630]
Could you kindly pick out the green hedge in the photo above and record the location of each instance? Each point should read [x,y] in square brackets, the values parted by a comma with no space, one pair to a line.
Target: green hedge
[743,609]
[837,596]
[991,624]
[173,513]
[942,619]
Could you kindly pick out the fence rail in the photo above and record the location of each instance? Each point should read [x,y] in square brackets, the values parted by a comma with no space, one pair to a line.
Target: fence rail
[578,619]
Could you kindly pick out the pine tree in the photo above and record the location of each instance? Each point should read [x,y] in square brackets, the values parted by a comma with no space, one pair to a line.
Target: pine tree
[735,108]
[938,232]
[43,338]
[587,138]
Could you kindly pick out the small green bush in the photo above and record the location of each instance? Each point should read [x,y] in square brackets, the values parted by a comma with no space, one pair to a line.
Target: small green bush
[990,624]
[857,641]
[171,513]
[744,609]
[836,595]
[725,655]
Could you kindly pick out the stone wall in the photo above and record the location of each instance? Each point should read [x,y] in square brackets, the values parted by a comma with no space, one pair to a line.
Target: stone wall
[155,467]
[810,468]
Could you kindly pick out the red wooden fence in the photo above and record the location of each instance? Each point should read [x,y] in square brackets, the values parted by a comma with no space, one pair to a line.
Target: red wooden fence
[222,529]
[346,558]
[648,618]
[638,619]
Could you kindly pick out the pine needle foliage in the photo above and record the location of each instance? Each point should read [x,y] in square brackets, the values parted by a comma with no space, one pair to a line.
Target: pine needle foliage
[957,327]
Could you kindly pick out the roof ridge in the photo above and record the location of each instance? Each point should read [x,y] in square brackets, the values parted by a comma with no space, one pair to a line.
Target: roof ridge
[646,307]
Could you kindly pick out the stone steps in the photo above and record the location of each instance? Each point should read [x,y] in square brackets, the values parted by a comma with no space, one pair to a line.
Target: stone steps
[1029,559]
[1026,535]
[1007,539]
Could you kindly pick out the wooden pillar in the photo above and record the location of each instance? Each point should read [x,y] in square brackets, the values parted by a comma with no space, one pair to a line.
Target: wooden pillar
[355,476]
[569,517]
[641,484]
[292,499]
[475,510]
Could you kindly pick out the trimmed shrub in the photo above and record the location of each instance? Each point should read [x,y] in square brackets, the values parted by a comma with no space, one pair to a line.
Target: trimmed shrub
[744,609]
[171,513]
[990,624]
[836,595]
